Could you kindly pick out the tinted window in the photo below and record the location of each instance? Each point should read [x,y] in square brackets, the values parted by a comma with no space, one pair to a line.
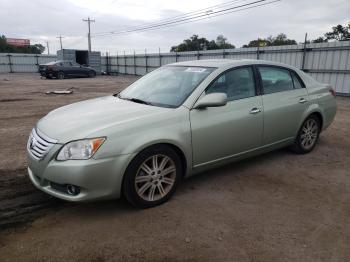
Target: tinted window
[296,81]
[66,64]
[275,79]
[237,84]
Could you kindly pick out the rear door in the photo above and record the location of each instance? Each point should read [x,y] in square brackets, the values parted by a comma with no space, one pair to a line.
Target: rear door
[221,132]
[285,98]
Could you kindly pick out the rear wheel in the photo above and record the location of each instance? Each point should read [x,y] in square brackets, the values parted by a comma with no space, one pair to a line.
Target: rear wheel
[60,75]
[307,136]
[152,177]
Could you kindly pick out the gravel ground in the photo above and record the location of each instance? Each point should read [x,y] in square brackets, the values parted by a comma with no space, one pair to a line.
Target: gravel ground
[275,207]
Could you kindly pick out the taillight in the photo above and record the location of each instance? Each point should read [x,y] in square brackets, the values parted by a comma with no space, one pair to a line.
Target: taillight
[332,92]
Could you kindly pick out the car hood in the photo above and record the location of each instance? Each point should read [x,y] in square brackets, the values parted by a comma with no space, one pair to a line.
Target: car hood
[83,119]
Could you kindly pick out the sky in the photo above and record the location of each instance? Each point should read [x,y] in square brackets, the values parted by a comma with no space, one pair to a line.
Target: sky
[44,20]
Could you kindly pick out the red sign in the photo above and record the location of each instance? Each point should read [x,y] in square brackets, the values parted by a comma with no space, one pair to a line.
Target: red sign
[18,42]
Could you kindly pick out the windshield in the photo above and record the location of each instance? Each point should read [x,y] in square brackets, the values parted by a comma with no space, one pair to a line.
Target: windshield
[167,86]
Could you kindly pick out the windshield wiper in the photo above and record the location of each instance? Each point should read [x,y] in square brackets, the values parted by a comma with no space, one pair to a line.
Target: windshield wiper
[136,100]
[140,101]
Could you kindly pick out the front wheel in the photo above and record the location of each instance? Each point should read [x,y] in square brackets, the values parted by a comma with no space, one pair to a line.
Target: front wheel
[60,75]
[152,177]
[307,136]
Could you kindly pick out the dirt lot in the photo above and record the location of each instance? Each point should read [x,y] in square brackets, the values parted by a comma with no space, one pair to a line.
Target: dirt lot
[276,207]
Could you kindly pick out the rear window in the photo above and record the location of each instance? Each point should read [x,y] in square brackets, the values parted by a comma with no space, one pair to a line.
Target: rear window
[275,79]
[296,80]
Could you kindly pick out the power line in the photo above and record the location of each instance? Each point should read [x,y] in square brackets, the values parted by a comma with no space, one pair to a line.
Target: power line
[89,33]
[234,11]
[204,10]
[194,18]
[207,12]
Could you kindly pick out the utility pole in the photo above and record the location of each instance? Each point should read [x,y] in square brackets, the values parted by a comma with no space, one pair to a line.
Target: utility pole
[47,46]
[304,53]
[89,33]
[60,37]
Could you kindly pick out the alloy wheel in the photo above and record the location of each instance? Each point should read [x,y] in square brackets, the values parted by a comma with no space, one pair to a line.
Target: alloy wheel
[309,134]
[155,177]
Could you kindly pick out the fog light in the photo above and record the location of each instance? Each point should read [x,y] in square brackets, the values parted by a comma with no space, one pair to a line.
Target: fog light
[73,190]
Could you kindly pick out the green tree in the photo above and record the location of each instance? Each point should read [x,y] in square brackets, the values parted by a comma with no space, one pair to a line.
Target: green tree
[280,39]
[339,33]
[222,43]
[320,40]
[259,42]
[195,43]
[191,44]
[31,49]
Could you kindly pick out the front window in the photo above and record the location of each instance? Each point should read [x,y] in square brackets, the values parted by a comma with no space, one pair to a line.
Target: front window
[236,84]
[167,86]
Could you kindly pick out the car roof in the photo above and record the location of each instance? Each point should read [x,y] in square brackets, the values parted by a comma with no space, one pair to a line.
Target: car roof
[224,63]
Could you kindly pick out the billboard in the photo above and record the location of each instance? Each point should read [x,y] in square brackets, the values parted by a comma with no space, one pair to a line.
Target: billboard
[18,42]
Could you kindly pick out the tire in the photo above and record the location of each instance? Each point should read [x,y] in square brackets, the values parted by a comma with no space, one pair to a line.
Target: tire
[308,135]
[145,185]
[60,75]
[92,74]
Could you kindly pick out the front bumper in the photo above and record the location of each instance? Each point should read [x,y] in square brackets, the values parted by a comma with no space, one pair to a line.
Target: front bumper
[46,73]
[97,178]
[43,73]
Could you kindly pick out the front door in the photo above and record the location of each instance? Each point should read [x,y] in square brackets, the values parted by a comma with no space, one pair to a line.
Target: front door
[76,69]
[221,132]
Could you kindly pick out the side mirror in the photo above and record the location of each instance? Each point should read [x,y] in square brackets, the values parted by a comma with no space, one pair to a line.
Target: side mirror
[211,100]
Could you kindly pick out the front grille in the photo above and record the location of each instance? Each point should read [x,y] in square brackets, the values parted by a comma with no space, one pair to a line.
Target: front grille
[39,144]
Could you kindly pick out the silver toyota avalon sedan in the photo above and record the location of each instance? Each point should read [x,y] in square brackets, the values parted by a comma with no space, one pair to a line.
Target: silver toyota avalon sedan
[174,122]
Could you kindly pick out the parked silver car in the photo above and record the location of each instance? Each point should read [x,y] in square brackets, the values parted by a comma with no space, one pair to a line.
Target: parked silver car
[176,121]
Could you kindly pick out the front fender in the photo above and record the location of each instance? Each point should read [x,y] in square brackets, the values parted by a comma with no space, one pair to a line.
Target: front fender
[134,137]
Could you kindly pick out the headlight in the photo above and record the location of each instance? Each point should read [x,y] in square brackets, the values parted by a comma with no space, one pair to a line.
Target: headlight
[80,149]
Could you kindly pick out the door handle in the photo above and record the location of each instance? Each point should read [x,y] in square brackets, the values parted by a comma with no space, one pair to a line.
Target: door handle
[302,100]
[255,110]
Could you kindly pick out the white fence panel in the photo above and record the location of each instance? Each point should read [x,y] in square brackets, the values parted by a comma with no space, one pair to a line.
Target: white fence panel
[326,62]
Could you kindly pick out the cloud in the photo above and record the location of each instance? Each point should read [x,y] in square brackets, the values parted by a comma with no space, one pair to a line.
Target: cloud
[43,20]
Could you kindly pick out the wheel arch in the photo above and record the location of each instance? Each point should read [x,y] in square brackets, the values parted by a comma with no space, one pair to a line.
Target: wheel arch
[319,116]
[180,152]
[174,147]
[314,109]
